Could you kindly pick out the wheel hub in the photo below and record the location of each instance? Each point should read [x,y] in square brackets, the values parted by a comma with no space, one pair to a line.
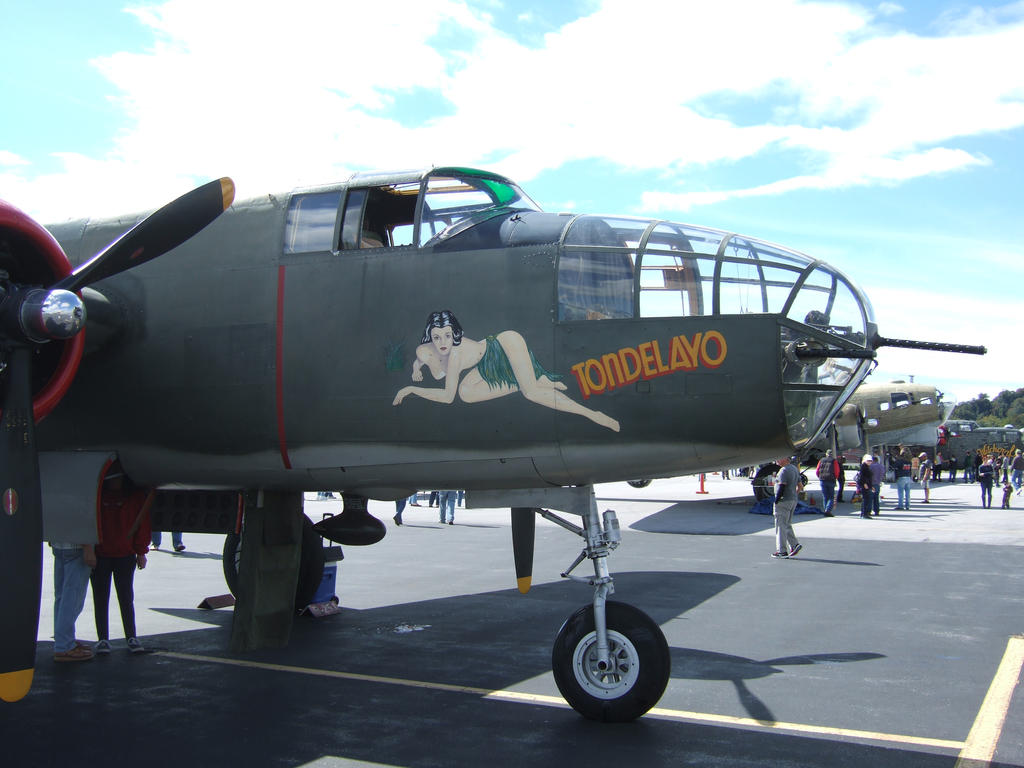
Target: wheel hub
[599,679]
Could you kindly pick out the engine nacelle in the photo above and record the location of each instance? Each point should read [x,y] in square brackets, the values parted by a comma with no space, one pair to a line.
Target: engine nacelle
[31,256]
[850,427]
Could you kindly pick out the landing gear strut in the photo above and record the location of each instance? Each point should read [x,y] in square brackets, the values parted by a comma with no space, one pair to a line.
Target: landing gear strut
[610,660]
[311,566]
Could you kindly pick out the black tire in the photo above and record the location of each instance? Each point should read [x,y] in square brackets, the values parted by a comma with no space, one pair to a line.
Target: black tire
[639,483]
[311,564]
[639,652]
[762,481]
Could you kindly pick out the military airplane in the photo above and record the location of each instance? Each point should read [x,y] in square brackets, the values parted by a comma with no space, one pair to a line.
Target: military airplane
[397,331]
[877,414]
[896,412]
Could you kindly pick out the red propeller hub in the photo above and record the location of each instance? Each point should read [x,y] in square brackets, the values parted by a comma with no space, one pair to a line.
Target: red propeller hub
[30,255]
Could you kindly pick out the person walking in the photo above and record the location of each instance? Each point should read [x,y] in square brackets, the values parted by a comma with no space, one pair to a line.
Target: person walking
[786,488]
[399,509]
[1017,470]
[840,483]
[828,472]
[926,476]
[865,486]
[986,476]
[446,499]
[176,540]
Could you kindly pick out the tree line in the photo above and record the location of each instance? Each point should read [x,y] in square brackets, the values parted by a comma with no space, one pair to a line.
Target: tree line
[1005,408]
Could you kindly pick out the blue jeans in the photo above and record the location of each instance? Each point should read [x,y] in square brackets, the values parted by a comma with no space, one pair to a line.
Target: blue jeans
[986,493]
[828,495]
[903,492]
[1017,477]
[876,494]
[447,504]
[70,583]
[175,538]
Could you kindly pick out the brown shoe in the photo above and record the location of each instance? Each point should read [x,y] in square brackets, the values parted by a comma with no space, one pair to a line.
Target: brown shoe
[78,653]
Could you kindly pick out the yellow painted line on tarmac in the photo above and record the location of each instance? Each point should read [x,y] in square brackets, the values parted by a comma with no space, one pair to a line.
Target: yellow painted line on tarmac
[558,701]
[981,743]
[817,730]
[327,673]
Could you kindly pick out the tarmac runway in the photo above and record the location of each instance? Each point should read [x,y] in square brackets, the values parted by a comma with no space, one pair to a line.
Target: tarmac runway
[895,641]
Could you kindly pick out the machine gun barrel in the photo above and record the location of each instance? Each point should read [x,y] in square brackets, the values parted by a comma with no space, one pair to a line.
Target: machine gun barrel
[931,346]
[815,353]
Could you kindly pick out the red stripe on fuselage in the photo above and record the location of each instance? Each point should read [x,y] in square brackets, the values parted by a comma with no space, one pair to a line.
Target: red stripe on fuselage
[281,437]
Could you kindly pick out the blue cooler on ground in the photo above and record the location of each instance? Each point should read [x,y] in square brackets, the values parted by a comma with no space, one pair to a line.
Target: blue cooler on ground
[328,583]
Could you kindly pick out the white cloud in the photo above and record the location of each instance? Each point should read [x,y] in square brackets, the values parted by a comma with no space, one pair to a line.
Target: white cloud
[276,94]
[890,9]
[11,159]
[905,312]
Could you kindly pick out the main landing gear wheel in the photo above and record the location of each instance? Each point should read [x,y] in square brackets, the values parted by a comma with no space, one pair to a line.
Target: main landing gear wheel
[640,664]
[639,483]
[311,564]
[762,482]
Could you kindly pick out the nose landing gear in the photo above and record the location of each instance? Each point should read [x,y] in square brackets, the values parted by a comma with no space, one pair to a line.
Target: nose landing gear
[610,660]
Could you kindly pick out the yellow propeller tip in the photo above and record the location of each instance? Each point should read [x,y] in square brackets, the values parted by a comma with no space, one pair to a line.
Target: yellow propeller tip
[524,583]
[15,685]
[227,189]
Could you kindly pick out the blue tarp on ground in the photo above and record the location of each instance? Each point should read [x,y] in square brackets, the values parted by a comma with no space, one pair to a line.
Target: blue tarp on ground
[764,507]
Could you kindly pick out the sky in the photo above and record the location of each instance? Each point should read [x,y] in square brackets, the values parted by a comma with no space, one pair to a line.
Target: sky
[885,138]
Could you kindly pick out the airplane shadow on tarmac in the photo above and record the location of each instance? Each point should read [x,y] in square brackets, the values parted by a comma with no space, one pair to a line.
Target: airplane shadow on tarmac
[680,518]
[493,640]
[694,664]
[470,639]
[186,555]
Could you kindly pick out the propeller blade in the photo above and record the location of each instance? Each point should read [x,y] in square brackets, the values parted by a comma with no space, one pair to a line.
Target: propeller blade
[524,524]
[21,529]
[158,233]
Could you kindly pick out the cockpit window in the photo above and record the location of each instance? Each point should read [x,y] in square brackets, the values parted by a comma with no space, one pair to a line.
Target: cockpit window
[451,199]
[595,270]
[310,222]
[379,217]
[827,301]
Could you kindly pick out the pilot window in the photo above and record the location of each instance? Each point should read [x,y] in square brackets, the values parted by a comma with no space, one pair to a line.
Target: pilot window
[595,272]
[379,217]
[310,222]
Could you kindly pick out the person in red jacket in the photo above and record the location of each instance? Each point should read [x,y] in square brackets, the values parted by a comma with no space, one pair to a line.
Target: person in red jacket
[124,541]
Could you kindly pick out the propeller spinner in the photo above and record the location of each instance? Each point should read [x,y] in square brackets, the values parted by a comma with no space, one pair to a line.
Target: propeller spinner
[31,316]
